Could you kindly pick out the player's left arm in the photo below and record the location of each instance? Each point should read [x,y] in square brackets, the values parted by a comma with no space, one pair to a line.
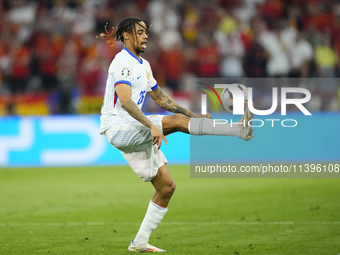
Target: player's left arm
[167,103]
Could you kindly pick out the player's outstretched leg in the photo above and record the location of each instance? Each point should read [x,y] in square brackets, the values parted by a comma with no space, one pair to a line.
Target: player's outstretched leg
[205,126]
[165,187]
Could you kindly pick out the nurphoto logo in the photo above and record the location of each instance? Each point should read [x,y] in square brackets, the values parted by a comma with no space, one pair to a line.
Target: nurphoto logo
[239,98]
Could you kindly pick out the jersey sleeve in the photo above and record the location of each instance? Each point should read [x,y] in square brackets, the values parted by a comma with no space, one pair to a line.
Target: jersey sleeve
[123,72]
[152,83]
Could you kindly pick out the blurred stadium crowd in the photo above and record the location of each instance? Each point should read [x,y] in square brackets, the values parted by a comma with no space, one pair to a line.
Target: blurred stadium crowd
[52,63]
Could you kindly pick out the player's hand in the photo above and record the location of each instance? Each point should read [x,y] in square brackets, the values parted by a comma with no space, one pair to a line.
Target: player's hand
[198,115]
[157,136]
[208,115]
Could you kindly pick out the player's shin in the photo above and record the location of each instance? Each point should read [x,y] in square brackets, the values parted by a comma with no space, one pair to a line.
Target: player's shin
[204,126]
[152,218]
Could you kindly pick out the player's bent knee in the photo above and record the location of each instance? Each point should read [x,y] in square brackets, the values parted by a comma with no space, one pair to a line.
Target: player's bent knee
[175,123]
[169,190]
[179,120]
[173,187]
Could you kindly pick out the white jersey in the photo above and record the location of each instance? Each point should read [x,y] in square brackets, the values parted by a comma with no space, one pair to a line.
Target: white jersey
[125,68]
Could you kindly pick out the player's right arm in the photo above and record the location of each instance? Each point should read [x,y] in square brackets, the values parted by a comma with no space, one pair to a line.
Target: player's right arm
[124,94]
[167,103]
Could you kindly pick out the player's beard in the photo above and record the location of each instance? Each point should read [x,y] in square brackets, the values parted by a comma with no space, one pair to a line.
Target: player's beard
[139,49]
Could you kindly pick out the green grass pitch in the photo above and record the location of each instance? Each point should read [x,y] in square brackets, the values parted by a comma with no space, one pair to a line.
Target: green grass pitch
[98,210]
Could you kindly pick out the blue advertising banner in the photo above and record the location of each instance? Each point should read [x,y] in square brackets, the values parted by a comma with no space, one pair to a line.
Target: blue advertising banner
[75,140]
[278,139]
[68,140]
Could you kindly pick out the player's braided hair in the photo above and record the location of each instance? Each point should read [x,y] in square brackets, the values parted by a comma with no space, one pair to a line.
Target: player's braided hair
[126,25]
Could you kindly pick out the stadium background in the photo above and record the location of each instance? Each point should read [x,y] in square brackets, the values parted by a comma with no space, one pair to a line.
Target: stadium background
[53,68]
[52,78]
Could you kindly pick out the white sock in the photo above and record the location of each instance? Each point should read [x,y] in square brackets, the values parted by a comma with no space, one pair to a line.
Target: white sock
[152,218]
[204,126]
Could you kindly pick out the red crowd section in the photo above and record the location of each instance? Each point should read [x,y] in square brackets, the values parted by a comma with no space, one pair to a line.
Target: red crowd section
[50,48]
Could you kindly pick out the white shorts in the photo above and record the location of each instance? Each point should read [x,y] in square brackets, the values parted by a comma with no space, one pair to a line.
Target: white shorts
[134,140]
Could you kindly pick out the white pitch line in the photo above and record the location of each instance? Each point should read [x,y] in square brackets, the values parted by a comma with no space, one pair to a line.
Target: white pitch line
[173,223]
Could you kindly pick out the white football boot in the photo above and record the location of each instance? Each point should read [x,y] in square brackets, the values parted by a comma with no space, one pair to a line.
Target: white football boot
[144,248]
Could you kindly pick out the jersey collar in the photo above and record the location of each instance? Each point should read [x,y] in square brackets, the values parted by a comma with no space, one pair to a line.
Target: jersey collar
[139,60]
